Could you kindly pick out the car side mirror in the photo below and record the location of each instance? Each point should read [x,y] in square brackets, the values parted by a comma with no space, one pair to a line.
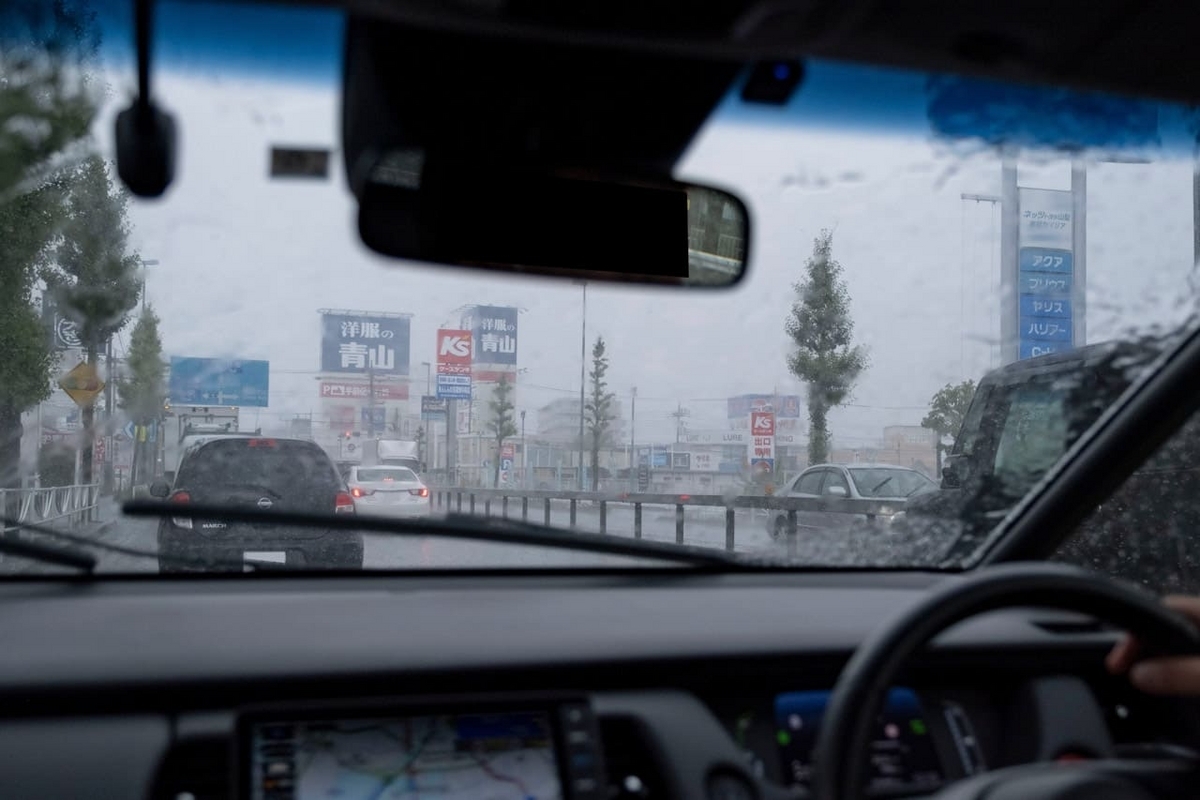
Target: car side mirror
[160,489]
[954,471]
[836,491]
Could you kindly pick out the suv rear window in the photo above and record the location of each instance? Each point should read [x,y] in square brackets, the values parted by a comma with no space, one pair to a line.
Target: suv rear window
[288,467]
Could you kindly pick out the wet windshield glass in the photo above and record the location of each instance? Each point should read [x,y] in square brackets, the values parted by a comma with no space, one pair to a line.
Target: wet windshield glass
[948,282]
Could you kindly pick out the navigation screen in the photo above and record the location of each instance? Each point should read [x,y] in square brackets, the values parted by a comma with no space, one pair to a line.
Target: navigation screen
[902,754]
[497,756]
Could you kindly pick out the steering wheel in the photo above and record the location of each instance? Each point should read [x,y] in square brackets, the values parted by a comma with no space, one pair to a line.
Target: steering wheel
[843,743]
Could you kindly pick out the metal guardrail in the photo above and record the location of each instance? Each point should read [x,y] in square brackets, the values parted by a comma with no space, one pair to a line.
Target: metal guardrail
[484,500]
[75,504]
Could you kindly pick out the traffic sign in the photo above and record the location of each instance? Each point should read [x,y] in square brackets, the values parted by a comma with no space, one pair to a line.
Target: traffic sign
[82,384]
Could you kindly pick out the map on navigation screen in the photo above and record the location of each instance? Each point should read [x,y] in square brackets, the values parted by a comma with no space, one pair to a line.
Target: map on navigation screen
[503,756]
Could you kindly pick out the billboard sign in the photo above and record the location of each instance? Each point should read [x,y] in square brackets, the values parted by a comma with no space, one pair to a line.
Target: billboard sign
[434,408]
[218,382]
[762,439]
[494,329]
[1045,272]
[360,391]
[356,343]
[455,353]
[375,417]
[743,405]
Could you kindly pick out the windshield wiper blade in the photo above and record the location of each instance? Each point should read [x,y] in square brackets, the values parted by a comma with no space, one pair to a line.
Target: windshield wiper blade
[881,484]
[451,526]
[38,551]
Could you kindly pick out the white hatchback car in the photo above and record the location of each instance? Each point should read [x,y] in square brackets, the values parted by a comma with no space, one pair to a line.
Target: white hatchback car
[388,492]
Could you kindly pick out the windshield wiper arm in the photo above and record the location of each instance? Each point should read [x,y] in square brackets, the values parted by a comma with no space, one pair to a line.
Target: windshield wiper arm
[881,484]
[38,551]
[452,526]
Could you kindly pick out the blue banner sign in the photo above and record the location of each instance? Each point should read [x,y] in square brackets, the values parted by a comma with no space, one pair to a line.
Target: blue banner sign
[1044,329]
[1034,283]
[1034,349]
[1034,305]
[218,382]
[456,387]
[742,405]
[358,344]
[380,415]
[1042,259]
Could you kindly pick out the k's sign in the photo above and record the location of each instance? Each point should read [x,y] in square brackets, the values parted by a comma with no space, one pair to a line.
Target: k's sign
[454,352]
[362,343]
[762,423]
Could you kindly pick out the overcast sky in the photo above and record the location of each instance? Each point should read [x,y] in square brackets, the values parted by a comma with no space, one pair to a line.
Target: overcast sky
[245,262]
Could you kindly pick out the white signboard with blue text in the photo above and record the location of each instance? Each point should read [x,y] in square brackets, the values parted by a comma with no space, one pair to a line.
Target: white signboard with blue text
[1045,272]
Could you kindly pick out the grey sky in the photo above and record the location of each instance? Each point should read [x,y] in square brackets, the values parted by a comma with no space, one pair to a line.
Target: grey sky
[245,262]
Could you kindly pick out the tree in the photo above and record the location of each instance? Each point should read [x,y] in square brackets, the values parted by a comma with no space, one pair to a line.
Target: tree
[94,278]
[142,393]
[46,109]
[501,420]
[946,412]
[598,409]
[822,333]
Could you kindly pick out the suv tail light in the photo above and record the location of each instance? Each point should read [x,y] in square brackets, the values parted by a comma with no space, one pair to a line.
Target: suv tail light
[422,492]
[359,491]
[181,522]
[343,503]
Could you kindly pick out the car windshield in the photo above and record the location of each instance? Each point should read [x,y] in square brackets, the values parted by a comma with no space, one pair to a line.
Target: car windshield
[946,279]
[386,474]
[884,482]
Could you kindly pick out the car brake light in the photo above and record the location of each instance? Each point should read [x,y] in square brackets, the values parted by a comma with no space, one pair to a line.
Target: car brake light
[358,491]
[422,492]
[262,443]
[181,497]
[343,504]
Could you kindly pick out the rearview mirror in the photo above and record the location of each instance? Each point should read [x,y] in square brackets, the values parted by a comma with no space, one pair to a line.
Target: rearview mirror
[562,223]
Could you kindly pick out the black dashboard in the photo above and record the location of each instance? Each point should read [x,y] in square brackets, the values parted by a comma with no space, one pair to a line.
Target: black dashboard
[682,685]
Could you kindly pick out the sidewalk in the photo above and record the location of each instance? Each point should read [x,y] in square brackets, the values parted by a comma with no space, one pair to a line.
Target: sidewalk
[107,512]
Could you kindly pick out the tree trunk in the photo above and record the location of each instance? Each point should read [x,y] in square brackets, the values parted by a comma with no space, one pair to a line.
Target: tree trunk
[496,465]
[818,430]
[10,458]
[595,465]
[88,416]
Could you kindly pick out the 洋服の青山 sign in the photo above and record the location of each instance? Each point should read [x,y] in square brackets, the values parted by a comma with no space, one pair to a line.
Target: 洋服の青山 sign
[365,343]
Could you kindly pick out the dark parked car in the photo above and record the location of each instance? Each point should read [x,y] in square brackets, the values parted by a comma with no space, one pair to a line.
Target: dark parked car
[293,475]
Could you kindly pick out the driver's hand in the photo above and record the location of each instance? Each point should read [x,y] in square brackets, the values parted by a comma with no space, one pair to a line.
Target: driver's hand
[1172,675]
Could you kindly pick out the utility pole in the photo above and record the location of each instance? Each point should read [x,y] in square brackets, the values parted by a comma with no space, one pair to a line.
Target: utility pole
[524,454]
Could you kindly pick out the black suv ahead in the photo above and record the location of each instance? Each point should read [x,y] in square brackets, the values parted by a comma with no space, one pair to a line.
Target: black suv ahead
[292,475]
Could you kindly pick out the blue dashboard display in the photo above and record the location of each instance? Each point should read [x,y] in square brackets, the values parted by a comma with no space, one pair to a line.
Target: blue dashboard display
[902,756]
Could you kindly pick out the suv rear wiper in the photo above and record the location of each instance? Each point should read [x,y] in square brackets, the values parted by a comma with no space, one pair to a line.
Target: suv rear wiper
[39,551]
[452,526]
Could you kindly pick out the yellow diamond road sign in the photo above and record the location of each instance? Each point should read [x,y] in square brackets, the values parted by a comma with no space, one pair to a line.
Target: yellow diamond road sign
[82,383]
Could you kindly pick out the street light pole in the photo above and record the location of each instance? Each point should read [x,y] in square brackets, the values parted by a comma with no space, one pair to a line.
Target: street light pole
[632,437]
[582,362]
[146,262]
[524,454]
